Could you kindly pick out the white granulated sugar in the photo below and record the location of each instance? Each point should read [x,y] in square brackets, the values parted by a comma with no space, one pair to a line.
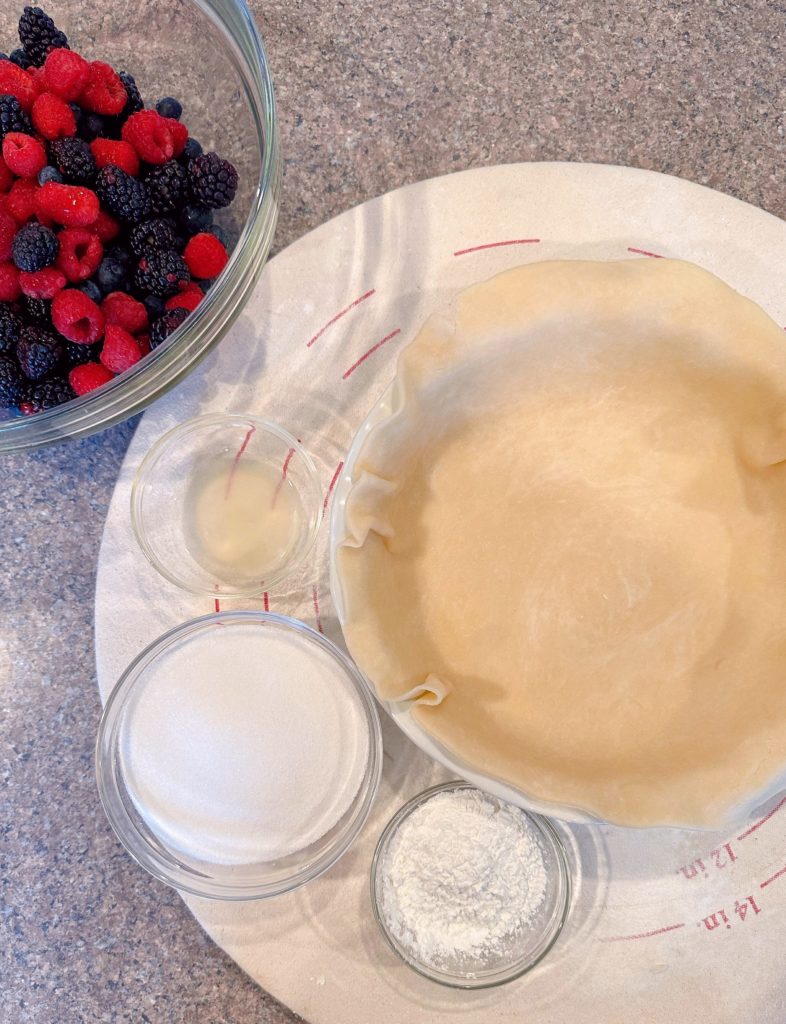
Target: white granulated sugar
[462,875]
[247,745]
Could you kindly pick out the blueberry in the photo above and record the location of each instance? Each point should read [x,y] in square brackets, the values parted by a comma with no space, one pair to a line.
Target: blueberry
[154,306]
[120,253]
[169,107]
[112,275]
[91,290]
[49,174]
[4,56]
[192,148]
[220,234]
[194,219]
[20,58]
[91,126]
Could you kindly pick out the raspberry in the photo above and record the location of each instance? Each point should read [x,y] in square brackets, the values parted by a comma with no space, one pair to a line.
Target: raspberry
[162,273]
[42,284]
[80,254]
[213,181]
[38,352]
[134,101]
[153,234]
[167,186]
[88,377]
[47,395]
[10,325]
[16,82]
[113,151]
[74,159]
[13,118]
[21,200]
[205,256]
[52,117]
[122,310]
[67,204]
[165,325]
[179,134]
[39,34]
[6,177]
[7,232]
[143,340]
[76,317]
[125,197]
[12,385]
[23,154]
[150,135]
[120,349]
[185,300]
[65,74]
[34,247]
[9,283]
[104,92]
[105,227]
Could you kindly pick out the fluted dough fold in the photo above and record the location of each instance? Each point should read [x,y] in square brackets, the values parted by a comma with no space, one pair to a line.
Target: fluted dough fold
[566,546]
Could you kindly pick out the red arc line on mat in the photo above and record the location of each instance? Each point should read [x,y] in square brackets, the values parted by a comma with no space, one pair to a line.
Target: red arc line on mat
[761,821]
[266,601]
[238,457]
[645,935]
[315,596]
[333,482]
[772,878]
[343,312]
[370,352]
[284,469]
[496,245]
[643,252]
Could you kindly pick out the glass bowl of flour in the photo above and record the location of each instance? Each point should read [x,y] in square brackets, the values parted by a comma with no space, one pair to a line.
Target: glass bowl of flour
[470,891]
[239,755]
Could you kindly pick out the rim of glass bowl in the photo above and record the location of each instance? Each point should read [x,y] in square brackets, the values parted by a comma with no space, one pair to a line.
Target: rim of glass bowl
[172,361]
[148,855]
[502,977]
[161,446]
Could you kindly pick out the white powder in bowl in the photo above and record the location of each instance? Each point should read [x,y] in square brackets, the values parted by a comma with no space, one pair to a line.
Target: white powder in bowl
[462,876]
[246,744]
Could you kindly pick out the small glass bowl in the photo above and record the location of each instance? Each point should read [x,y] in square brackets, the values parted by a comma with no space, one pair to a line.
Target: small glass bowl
[194,874]
[161,494]
[525,950]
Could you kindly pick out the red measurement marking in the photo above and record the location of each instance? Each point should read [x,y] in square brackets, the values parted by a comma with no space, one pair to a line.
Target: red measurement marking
[496,245]
[216,605]
[280,483]
[266,602]
[643,252]
[315,595]
[773,878]
[238,457]
[371,351]
[333,483]
[338,316]
[761,821]
[645,935]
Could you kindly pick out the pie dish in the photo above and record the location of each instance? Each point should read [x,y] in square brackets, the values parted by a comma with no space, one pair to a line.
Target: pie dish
[564,547]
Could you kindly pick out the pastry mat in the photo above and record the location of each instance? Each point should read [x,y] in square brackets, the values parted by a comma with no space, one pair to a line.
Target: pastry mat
[666,924]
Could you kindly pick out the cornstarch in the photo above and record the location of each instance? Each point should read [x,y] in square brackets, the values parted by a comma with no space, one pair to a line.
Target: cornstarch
[463,874]
[247,745]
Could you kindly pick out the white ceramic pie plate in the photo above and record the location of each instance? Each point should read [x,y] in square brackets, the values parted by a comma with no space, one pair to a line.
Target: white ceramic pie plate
[400,711]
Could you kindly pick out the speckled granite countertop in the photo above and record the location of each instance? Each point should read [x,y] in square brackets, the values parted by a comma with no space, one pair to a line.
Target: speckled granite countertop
[371,96]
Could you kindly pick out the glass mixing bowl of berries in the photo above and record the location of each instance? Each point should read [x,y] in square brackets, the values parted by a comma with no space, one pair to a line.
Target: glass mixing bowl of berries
[139,181]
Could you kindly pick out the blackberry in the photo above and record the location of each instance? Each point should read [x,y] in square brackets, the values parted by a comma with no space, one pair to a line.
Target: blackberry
[38,311]
[20,58]
[74,159]
[34,247]
[39,34]
[38,352]
[165,325]
[12,117]
[193,219]
[213,181]
[169,107]
[48,394]
[78,355]
[161,273]
[167,186]
[49,173]
[153,234]
[125,197]
[10,326]
[134,103]
[12,385]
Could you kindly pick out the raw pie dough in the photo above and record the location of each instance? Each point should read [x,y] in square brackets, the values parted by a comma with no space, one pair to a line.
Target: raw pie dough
[567,544]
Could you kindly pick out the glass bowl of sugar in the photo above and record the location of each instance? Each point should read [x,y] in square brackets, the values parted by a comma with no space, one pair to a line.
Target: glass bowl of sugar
[226,505]
[468,890]
[239,755]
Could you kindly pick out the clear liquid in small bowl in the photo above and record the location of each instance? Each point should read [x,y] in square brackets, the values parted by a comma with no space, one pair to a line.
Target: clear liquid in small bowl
[244,519]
